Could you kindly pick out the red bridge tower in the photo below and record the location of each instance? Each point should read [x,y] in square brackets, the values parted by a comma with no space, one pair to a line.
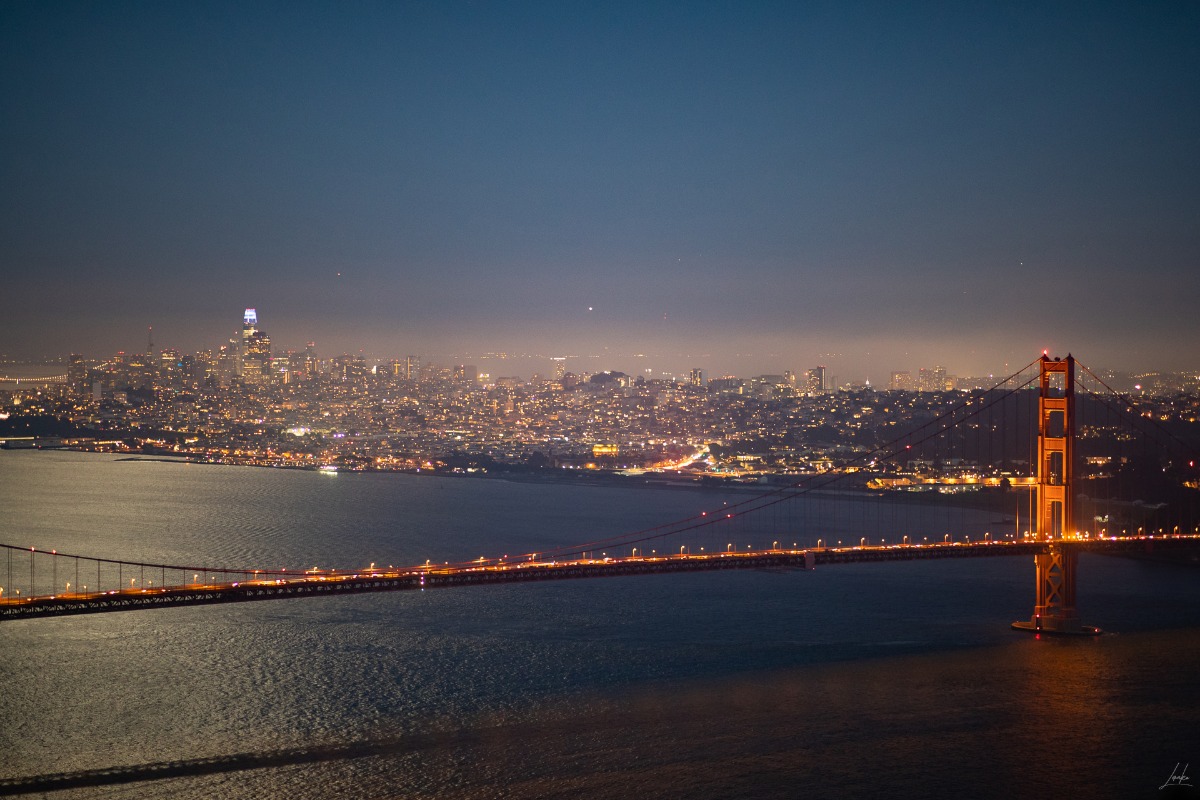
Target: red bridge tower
[1054,609]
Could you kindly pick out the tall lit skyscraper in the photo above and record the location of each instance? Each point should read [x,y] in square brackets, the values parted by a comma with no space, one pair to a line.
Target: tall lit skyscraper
[816,380]
[254,365]
[229,362]
[77,375]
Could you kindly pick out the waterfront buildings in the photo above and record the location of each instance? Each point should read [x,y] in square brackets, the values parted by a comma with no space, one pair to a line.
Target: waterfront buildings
[244,403]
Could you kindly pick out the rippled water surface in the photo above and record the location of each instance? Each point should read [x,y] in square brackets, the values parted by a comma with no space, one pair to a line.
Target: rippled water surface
[882,680]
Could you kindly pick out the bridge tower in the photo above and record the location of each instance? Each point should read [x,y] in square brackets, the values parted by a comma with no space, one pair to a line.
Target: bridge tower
[1055,567]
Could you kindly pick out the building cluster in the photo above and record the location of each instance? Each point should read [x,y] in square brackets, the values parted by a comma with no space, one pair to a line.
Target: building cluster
[243,403]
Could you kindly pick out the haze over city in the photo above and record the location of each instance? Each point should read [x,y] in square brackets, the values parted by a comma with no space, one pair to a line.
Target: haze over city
[740,187]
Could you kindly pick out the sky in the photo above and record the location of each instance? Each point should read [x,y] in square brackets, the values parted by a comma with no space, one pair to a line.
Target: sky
[744,187]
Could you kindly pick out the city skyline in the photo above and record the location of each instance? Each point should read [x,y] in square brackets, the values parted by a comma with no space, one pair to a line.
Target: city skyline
[838,369]
[739,188]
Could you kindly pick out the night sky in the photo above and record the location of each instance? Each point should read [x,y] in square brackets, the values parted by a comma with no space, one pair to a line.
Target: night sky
[744,187]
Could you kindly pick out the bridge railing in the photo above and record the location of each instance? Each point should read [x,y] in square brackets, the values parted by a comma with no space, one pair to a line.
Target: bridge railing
[151,585]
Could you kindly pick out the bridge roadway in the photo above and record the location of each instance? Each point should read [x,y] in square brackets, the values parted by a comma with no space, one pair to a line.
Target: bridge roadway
[325,583]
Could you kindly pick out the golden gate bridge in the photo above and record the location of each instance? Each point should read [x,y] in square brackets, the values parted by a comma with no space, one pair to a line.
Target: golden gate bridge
[1082,433]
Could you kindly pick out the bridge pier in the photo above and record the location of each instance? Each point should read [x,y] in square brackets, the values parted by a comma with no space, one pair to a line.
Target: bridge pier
[1054,610]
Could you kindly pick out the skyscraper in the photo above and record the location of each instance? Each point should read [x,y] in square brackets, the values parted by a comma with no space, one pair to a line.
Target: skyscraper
[816,380]
[254,365]
[77,375]
[940,383]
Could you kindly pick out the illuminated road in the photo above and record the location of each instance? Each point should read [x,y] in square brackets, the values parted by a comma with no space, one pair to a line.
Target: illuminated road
[323,583]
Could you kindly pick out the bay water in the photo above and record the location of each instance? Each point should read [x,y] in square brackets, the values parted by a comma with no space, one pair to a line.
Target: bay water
[867,680]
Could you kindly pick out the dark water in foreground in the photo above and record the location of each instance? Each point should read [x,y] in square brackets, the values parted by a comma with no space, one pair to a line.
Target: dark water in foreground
[893,680]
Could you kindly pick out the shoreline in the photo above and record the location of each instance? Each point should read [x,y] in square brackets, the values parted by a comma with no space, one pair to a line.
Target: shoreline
[595,478]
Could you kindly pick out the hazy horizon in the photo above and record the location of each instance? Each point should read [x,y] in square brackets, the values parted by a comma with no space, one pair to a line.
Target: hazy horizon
[843,365]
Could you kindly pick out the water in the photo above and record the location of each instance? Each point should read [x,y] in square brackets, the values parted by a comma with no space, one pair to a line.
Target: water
[872,680]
